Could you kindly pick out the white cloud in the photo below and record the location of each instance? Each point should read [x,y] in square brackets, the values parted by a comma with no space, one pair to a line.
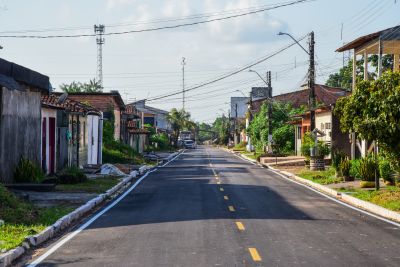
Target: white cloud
[118,3]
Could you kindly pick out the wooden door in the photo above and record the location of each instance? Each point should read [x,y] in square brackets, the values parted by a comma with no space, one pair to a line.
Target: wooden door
[44,137]
[52,144]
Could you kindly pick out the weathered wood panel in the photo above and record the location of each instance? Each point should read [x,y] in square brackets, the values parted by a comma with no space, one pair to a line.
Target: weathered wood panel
[20,130]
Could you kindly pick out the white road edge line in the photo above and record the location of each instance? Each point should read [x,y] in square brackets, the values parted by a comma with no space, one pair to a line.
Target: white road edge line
[329,197]
[85,225]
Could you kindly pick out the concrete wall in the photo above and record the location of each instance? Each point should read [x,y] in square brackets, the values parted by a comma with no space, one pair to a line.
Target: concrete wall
[20,130]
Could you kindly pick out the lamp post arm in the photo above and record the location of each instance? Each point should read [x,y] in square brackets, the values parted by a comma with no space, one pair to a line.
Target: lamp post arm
[284,33]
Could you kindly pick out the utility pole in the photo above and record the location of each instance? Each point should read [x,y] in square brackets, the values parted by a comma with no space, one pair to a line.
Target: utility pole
[183,82]
[235,125]
[311,82]
[99,31]
[269,111]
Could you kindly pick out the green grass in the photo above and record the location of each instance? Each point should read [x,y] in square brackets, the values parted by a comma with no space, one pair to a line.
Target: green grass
[252,155]
[388,197]
[320,177]
[99,185]
[23,219]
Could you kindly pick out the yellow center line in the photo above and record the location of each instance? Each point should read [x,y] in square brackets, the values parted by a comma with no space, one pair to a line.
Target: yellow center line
[226,197]
[254,254]
[231,208]
[218,182]
[221,189]
[240,226]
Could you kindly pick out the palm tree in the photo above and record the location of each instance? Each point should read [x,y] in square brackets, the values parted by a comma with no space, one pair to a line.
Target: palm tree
[179,120]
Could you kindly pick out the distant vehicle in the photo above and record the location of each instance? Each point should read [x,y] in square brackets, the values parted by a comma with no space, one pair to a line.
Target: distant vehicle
[190,144]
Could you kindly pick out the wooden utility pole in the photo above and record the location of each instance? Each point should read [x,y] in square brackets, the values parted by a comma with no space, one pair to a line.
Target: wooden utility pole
[311,82]
[269,111]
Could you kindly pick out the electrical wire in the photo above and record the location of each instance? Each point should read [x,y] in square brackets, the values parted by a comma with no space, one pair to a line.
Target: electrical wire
[163,27]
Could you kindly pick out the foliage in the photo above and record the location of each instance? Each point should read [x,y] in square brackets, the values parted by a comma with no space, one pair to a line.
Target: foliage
[385,170]
[77,87]
[28,172]
[23,219]
[221,127]
[373,112]
[162,141]
[344,78]
[320,177]
[355,165]
[367,168]
[308,142]
[205,132]
[337,157]
[71,175]
[240,146]
[118,152]
[388,198]
[282,132]
[179,121]
[345,166]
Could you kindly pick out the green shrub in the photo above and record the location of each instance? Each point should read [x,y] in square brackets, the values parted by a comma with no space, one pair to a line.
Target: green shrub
[385,170]
[367,168]
[71,175]
[28,172]
[345,167]
[241,146]
[308,142]
[337,158]
[355,164]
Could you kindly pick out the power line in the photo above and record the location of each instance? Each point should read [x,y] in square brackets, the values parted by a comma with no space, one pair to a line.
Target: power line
[232,73]
[163,27]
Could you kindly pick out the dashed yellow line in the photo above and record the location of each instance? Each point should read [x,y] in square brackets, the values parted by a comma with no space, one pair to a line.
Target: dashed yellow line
[254,254]
[231,208]
[218,182]
[240,226]
[226,197]
[221,189]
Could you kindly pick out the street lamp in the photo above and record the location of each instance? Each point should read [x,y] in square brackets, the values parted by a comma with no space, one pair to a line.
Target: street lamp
[284,33]
[311,75]
[250,70]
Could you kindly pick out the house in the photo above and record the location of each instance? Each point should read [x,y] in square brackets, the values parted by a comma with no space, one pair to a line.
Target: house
[109,103]
[385,42]
[71,133]
[325,120]
[155,117]
[238,117]
[20,116]
[136,135]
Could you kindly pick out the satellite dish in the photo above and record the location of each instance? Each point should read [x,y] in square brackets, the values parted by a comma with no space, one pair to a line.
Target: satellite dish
[62,98]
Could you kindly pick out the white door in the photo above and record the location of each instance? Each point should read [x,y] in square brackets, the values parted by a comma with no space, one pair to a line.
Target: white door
[93,138]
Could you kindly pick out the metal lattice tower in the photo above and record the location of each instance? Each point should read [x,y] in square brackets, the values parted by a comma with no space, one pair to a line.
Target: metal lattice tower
[99,31]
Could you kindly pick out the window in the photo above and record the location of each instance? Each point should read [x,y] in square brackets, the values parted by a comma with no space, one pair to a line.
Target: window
[328,125]
[322,126]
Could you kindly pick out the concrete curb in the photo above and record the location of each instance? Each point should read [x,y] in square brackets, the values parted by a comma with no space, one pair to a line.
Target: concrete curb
[343,197]
[8,257]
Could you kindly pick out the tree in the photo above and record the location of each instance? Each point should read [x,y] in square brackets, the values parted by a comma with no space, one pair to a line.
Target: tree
[77,87]
[282,132]
[179,120]
[344,78]
[221,127]
[373,112]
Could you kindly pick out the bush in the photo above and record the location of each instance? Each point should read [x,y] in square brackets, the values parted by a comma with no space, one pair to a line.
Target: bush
[337,158]
[345,167]
[355,165]
[71,175]
[241,146]
[28,172]
[162,141]
[385,171]
[367,168]
[308,142]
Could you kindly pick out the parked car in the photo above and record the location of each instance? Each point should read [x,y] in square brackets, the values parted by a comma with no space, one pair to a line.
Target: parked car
[190,144]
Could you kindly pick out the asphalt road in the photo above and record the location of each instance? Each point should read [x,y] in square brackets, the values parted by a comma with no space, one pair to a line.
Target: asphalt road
[229,213]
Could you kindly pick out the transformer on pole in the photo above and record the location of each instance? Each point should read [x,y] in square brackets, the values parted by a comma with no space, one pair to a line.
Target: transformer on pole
[99,31]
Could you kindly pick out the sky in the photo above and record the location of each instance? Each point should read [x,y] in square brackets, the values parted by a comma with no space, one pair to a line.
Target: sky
[148,64]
